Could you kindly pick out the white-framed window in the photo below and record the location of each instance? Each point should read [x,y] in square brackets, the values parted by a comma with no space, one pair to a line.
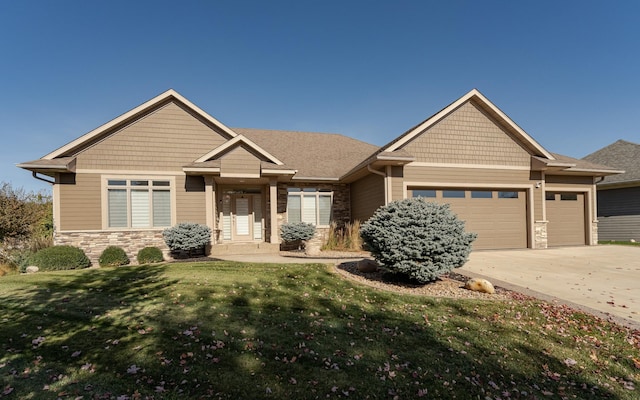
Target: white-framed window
[309,205]
[138,203]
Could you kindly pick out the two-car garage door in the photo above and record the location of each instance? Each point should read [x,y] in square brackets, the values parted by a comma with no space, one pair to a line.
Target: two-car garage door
[499,217]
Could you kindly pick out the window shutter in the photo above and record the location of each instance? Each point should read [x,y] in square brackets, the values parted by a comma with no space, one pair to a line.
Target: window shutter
[117,208]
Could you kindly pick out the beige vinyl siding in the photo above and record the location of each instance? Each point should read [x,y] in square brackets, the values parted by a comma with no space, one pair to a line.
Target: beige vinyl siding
[468,136]
[465,175]
[164,140]
[572,180]
[367,194]
[80,203]
[239,162]
[397,183]
[190,198]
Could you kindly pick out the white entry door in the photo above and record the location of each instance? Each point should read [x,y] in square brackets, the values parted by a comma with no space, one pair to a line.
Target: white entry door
[243,218]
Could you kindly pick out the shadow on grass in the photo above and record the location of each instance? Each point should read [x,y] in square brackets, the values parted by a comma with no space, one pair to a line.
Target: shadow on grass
[230,330]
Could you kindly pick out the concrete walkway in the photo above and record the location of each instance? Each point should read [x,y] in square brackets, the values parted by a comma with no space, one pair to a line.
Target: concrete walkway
[602,279]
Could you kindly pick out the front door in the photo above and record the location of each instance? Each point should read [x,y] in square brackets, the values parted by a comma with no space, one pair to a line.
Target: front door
[242,218]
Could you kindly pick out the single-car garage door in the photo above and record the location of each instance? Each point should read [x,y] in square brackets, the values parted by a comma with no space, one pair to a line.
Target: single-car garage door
[566,219]
[498,217]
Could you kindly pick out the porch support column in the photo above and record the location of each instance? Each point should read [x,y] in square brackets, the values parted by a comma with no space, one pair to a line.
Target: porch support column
[273,210]
[210,206]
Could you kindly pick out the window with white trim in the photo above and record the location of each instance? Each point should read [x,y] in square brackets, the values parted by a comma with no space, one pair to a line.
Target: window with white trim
[309,205]
[138,203]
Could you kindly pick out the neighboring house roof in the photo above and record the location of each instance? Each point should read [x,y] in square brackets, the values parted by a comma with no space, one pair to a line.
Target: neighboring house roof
[622,155]
[314,155]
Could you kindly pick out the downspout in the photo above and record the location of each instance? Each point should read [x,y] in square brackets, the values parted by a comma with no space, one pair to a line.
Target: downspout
[35,175]
[384,175]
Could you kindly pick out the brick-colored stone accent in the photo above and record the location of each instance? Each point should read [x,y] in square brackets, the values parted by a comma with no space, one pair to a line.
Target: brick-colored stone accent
[94,243]
[540,239]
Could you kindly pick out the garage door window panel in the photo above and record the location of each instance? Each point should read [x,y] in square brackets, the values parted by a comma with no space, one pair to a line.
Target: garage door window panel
[508,195]
[481,194]
[453,194]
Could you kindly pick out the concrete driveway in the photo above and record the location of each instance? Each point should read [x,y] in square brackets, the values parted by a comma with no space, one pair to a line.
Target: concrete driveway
[602,279]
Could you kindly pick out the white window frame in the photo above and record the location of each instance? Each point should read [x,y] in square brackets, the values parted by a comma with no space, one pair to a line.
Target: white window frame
[128,187]
[316,194]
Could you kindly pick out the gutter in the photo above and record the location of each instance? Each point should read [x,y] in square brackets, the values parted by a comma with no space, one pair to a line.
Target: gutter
[35,175]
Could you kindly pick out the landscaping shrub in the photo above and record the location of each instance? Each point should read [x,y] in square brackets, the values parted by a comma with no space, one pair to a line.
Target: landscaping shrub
[113,256]
[417,238]
[294,231]
[187,237]
[60,258]
[150,255]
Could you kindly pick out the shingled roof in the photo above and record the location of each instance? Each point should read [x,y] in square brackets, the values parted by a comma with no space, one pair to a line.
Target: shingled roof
[312,154]
[622,155]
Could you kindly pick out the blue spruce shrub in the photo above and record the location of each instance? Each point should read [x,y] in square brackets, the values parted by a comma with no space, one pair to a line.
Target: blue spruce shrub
[187,237]
[416,238]
[294,231]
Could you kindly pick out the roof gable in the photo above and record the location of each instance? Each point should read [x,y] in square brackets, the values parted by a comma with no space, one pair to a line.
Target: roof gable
[483,103]
[237,141]
[73,147]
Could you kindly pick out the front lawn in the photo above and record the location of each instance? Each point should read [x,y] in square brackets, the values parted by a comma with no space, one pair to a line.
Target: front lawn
[249,331]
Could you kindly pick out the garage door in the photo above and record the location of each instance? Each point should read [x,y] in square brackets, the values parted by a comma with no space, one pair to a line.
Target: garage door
[565,213]
[498,217]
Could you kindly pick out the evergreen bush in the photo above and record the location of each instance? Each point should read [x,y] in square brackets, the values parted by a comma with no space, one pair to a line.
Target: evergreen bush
[60,258]
[150,255]
[417,238]
[294,231]
[187,237]
[113,256]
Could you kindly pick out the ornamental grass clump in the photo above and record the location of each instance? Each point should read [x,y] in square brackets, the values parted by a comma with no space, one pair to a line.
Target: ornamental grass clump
[416,238]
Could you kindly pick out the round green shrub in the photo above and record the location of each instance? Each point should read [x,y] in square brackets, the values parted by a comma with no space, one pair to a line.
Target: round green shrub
[57,258]
[291,232]
[187,237]
[150,255]
[113,256]
[417,238]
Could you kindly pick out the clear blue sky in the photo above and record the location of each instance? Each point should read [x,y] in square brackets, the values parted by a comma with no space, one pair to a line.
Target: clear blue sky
[566,71]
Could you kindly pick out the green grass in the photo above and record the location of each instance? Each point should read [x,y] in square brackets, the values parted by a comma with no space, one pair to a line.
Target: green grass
[250,331]
[619,242]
